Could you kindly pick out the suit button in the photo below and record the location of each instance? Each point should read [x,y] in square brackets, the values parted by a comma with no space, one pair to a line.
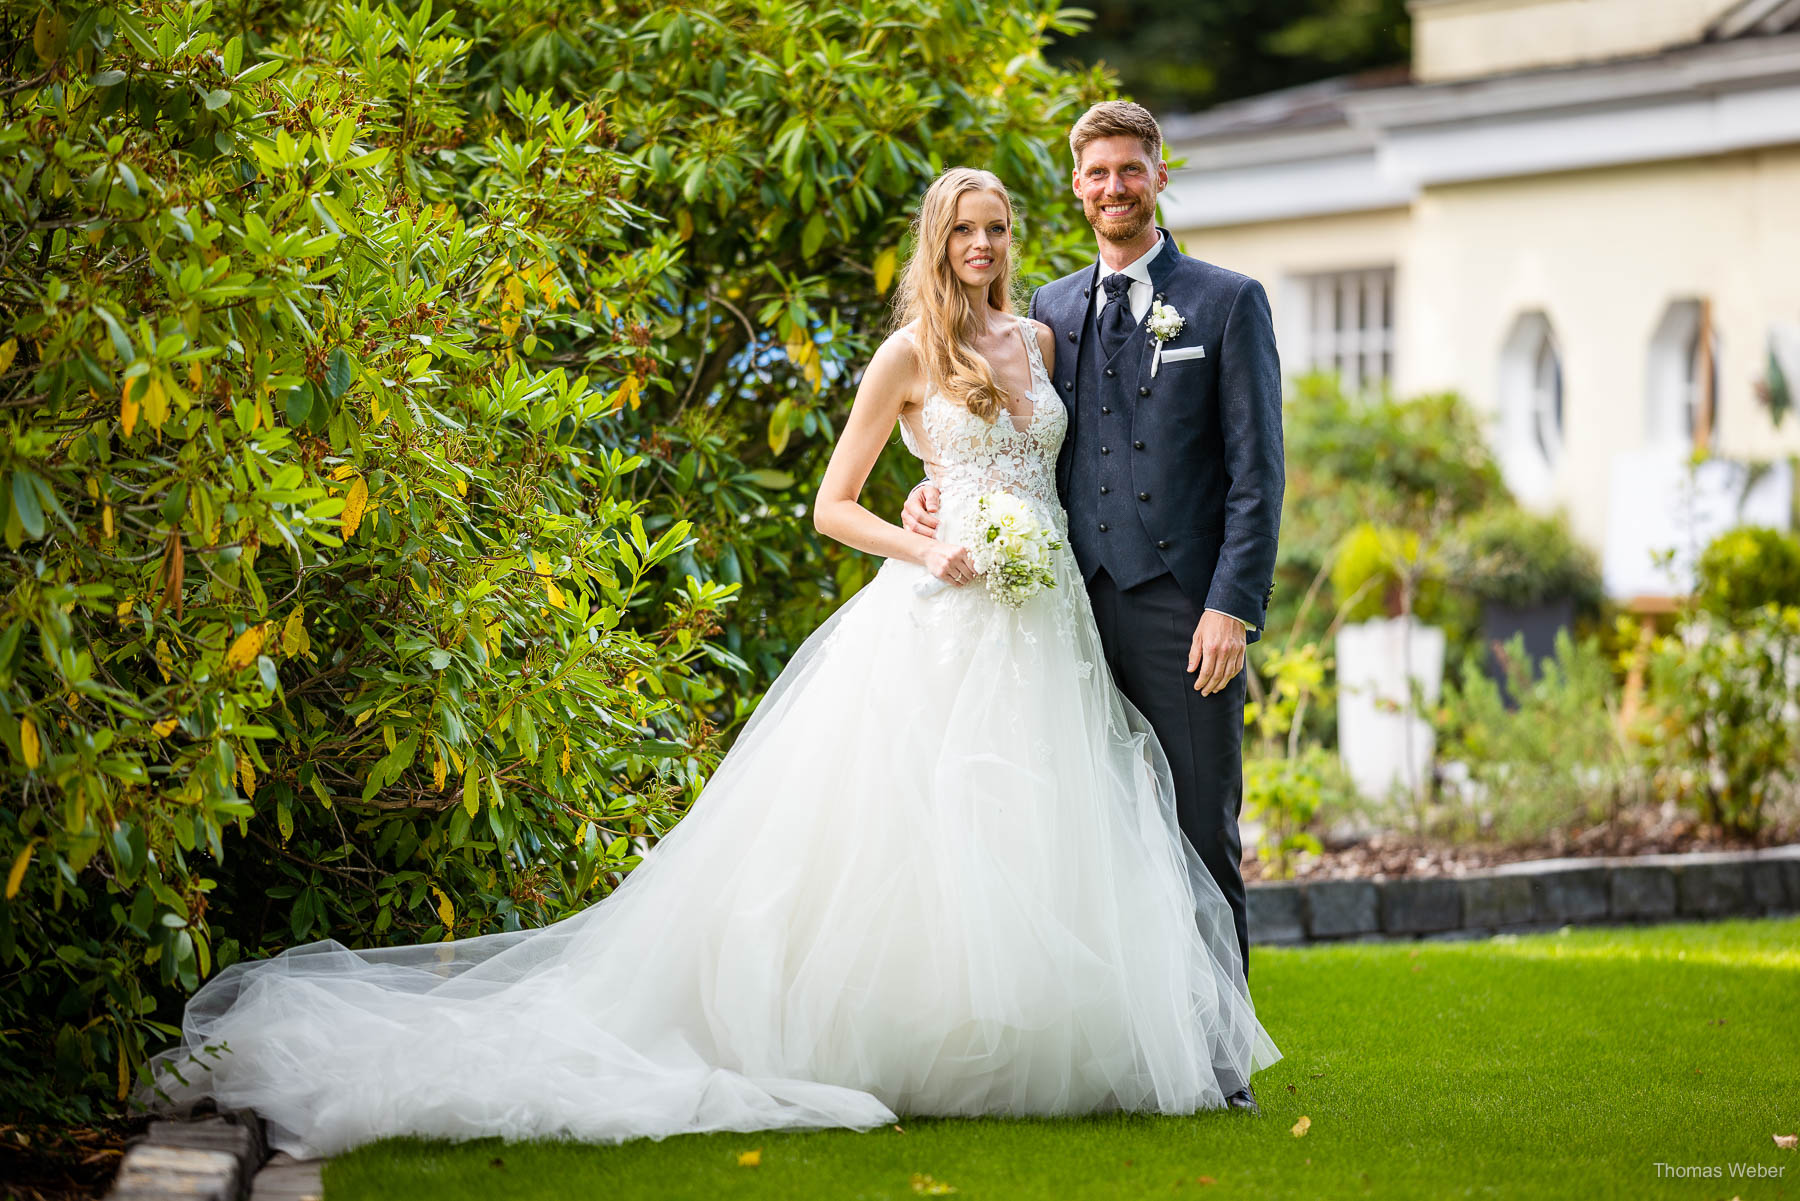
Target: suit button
[1071,335]
[1106,450]
[1110,373]
[1143,391]
[1105,412]
[1104,489]
[1068,385]
[1162,546]
[1137,445]
[1143,496]
[1102,527]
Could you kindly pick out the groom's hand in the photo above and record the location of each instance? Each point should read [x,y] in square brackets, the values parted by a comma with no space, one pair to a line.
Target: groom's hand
[1217,652]
[919,514]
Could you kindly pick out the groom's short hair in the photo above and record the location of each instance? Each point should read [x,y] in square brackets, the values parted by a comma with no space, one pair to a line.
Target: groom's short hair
[1113,119]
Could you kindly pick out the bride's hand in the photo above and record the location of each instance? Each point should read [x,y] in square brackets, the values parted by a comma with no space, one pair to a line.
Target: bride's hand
[949,563]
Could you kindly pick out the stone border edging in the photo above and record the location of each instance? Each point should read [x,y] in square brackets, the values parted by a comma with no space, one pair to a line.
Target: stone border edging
[1532,895]
[219,1157]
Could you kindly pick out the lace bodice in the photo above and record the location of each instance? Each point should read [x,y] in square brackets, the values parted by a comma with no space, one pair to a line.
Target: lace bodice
[967,457]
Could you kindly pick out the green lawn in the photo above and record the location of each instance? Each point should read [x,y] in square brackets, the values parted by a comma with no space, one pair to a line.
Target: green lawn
[1560,1065]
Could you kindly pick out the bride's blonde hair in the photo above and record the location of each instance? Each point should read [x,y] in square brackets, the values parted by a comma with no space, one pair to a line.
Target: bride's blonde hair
[931,296]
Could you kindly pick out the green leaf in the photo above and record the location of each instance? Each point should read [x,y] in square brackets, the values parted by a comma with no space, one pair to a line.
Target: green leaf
[813,236]
[338,373]
[299,405]
[26,504]
[769,479]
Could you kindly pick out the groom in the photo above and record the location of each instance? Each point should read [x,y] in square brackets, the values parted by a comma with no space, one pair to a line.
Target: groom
[1171,474]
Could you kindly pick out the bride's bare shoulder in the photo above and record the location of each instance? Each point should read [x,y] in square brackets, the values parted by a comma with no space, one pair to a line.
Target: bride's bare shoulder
[897,367]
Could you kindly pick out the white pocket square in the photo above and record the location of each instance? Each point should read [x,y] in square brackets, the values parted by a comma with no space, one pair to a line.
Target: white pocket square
[1186,352]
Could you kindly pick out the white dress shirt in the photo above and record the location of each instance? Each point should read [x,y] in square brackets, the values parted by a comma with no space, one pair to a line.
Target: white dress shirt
[1141,292]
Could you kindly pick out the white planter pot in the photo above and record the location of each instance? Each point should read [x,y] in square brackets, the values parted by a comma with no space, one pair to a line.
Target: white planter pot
[1386,746]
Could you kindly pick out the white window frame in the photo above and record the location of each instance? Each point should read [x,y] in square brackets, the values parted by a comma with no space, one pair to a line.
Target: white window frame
[1343,322]
[1533,412]
[1675,396]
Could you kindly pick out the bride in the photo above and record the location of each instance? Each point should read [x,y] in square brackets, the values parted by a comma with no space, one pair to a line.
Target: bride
[939,872]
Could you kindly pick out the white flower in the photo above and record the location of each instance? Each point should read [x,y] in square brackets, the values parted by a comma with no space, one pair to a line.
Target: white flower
[1164,324]
[1011,548]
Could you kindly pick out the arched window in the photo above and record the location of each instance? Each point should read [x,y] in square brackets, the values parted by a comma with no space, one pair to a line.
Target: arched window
[1532,407]
[1682,407]
[1547,400]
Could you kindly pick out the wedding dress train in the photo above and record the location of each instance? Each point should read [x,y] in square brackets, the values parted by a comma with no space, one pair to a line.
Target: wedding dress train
[938,873]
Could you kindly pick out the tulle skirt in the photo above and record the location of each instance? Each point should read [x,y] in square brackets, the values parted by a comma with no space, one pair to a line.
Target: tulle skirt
[938,873]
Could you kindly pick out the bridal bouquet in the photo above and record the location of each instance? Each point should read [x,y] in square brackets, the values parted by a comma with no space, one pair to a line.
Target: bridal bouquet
[1011,548]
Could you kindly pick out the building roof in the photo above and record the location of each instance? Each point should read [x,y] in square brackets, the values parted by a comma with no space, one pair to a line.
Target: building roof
[1373,141]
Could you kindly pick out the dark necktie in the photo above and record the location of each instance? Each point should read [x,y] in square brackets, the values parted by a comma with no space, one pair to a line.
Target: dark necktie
[1115,319]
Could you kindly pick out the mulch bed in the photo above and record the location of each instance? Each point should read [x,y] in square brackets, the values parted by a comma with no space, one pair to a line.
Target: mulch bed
[52,1163]
[1649,831]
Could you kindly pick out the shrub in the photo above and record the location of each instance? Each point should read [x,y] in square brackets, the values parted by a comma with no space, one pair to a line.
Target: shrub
[1744,569]
[326,596]
[1509,556]
[1723,722]
[1556,760]
[1415,465]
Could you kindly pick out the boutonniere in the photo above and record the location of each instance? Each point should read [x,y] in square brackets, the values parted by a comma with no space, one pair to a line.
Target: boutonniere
[1164,324]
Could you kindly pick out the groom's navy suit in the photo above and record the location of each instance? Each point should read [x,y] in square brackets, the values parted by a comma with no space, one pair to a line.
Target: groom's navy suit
[1173,486]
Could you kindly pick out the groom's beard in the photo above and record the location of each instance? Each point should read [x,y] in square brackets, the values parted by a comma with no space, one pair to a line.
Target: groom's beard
[1126,228]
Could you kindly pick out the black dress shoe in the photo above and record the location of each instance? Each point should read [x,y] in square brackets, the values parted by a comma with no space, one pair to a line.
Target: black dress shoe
[1244,1099]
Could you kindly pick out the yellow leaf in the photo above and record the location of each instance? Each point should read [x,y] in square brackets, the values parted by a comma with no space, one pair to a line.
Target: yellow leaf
[885,262]
[343,471]
[1302,1126]
[8,349]
[376,412]
[554,594]
[354,505]
[684,225]
[247,775]
[565,755]
[165,727]
[440,773]
[128,409]
[630,393]
[93,485]
[106,522]
[247,647]
[195,376]
[48,35]
[445,910]
[750,1159]
[30,745]
[155,402]
[462,486]
[471,791]
[124,609]
[165,659]
[512,303]
[294,638]
[16,876]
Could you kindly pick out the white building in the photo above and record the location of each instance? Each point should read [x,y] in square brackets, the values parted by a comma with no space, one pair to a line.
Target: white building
[1584,215]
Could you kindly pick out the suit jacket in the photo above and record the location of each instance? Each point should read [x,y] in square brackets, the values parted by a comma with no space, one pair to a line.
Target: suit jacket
[1210,425]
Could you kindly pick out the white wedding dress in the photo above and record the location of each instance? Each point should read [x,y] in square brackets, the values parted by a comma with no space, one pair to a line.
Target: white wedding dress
[938,873]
